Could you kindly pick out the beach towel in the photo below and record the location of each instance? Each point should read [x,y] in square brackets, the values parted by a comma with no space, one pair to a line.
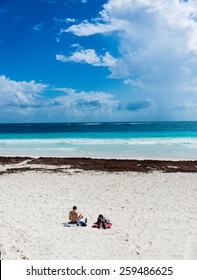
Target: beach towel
[80,223]
[108,225]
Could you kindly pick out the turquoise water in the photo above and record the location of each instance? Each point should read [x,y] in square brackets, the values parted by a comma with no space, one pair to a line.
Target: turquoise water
[166,140]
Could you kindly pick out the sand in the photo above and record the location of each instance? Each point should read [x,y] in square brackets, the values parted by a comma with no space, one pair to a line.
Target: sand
[153,214]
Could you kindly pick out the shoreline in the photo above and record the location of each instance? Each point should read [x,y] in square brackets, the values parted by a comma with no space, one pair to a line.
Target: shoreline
[21,164]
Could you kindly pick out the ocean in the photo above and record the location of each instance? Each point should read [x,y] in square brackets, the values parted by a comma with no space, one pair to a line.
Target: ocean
[132,140]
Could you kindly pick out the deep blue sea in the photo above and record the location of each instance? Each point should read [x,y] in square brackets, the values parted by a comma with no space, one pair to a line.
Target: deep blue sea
[164,140]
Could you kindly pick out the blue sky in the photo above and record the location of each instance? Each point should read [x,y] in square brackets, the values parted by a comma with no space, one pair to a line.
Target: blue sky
[106,60]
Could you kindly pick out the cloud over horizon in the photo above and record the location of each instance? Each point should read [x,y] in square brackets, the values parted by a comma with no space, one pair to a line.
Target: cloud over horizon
[19,93]
[34,100]
[108,59]
[157,43]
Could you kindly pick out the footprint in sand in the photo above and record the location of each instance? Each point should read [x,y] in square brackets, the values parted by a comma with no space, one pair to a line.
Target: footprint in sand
[14,248]
[135,253]
[24,257]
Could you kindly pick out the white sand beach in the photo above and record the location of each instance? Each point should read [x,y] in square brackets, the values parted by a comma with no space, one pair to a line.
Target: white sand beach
[153,215]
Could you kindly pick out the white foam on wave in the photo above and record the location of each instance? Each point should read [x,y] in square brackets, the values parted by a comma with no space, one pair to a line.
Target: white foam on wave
[89,123]
[165,148]
[189,142]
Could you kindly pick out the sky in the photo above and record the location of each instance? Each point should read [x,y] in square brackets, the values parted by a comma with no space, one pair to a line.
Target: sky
[98,60]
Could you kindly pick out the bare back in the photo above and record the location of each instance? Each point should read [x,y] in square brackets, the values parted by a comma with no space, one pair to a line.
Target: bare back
[74,216]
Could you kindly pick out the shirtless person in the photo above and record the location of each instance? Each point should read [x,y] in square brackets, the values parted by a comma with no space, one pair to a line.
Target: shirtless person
[74,217]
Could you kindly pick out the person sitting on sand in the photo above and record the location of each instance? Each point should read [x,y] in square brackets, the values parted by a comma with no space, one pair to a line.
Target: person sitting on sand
[74,217]
[101,222]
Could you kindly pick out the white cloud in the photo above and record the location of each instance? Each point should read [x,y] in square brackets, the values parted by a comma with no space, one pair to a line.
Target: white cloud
[86,29]
[70,20]
[19,93]
[75,46]
[26,97]
[34,101]
[89,56]
[101,105]
[38,26]
[187,105]
[135,83]
[157,42]
[85,104]
[66,20]
[108,60]
[19,98]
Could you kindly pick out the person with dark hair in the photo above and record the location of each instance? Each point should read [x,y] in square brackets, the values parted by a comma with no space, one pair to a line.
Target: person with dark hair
[75,218]
[101,222]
